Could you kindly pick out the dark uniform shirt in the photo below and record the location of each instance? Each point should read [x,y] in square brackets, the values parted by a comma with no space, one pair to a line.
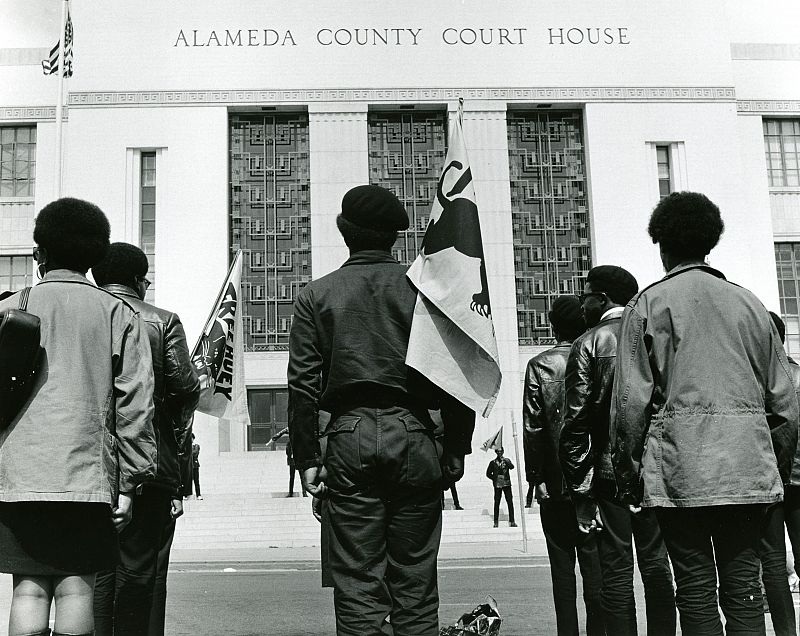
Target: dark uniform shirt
[347,348]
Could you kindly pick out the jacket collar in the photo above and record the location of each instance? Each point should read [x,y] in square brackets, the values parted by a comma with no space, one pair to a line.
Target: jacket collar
[367,257]
[680,269]
[121,290]
[65,275]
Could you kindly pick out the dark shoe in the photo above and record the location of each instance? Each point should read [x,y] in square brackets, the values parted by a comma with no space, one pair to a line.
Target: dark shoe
[291,494]
[495,524]
[458,508]
[511,524]
[305,494]
[527,505]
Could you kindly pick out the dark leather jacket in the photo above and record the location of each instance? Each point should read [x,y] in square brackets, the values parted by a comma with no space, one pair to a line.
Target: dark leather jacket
[703,397]
[176,392]
[794,371]
[347,349]
[543,417]
[584,444]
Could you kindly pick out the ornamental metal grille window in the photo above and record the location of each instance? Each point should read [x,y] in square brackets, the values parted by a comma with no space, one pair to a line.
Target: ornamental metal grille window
[787,259]
[17,161]
[16,273]
[782,147]
[270,221]
[552,251]
[147,205]
[406,156]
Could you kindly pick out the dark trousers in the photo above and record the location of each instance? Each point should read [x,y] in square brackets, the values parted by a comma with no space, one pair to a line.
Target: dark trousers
[529,494]
[196,479]
[159,608]
[123,597]
[709,542]
[454,492]
[791,514]
[564,543]
[385,521]
[292,471]
[772,552]
[498,492]
[621,528]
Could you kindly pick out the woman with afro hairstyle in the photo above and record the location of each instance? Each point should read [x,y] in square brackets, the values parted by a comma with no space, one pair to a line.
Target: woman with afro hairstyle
[83,441]
[702,395]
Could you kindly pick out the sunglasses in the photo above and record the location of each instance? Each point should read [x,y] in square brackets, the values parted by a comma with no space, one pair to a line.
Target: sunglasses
[582,298]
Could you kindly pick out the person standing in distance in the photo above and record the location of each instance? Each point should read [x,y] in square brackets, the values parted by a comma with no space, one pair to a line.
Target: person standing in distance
[543,417]
[703,404]
[585,456]
[124,595]
[382,472]
[498,471]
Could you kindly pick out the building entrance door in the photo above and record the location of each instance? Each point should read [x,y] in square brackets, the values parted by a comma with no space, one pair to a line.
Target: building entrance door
[268,416]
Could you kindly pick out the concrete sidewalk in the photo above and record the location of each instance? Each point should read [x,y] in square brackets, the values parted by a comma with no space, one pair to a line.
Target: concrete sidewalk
[451,551]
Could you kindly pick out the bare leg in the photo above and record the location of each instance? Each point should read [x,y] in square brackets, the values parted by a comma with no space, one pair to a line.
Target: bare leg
[74,604]
[30,605]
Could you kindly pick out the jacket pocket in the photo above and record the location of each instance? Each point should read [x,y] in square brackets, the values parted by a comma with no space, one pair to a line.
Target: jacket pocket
[423,467]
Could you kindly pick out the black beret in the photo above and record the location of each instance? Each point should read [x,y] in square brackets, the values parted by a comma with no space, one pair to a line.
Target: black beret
[565,315]
[374,208]
[618,283]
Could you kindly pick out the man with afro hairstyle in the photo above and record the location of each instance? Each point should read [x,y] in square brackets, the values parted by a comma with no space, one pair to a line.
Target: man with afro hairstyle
[130,598]
[701,382]
[586,461]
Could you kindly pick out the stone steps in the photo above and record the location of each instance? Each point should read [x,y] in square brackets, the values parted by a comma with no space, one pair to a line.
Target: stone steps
[245,507]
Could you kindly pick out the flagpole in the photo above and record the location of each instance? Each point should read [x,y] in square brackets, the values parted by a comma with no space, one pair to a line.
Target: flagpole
[60,102]
[519,483]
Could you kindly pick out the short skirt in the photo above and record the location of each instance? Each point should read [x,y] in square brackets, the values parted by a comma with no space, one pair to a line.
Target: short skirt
[54,538]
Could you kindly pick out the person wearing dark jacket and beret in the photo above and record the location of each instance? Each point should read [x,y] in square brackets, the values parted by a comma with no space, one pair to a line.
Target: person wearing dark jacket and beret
[124,595]
[381,471]
[585,456]
[703,404]
[543,417]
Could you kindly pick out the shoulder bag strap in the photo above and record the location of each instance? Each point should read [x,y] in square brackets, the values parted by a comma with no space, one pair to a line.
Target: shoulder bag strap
[23,298]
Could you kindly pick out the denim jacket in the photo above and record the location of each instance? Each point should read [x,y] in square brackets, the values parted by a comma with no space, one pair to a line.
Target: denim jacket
[703,396]
[86,432]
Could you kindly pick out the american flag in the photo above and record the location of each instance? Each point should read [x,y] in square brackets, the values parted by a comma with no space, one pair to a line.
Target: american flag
[50,65]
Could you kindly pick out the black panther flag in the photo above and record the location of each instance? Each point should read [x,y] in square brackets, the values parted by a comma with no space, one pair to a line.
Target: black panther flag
[452,339]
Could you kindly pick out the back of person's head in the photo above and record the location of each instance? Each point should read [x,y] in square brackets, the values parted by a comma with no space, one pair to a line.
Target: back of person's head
[74,233]
[122,265]
[686,224]
[566,317]
[616,282]
[776,320]
[371,218]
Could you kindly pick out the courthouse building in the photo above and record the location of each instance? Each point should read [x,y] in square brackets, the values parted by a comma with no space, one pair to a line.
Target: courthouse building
[204,127]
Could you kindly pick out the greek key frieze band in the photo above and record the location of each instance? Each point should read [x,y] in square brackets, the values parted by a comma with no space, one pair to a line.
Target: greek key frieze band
[768,106]
[541,94]
[29,113]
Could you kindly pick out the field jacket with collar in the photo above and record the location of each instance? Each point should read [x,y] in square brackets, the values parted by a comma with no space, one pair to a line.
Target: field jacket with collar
[176,392]
[543,417]
[347,349]
[583,448]
[704,399]
[86,432]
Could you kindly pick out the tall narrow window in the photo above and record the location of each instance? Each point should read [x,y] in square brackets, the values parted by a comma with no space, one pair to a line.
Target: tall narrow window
[17,161]
[270,219]
[782,147]
[552,252]
[787,259]
[147,227]
[16,272]
[664,171]
[406,155]
[268,416]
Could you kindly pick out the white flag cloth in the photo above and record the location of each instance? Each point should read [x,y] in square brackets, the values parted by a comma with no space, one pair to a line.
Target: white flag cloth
[494,442]
[452,339]
[219,353]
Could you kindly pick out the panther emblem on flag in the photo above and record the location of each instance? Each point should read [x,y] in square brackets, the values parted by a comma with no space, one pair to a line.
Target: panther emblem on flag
[457,226]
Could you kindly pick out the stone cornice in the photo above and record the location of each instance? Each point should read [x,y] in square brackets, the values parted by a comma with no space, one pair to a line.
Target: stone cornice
[29,113]
[419,95]
[768,106]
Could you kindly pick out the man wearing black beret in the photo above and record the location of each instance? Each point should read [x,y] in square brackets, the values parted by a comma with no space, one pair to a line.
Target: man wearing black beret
[381,471]
[585,456]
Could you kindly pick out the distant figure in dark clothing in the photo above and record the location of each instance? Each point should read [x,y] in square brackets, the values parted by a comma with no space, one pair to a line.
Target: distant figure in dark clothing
[196,467]
[454,492]
[498,472]
[289,461]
